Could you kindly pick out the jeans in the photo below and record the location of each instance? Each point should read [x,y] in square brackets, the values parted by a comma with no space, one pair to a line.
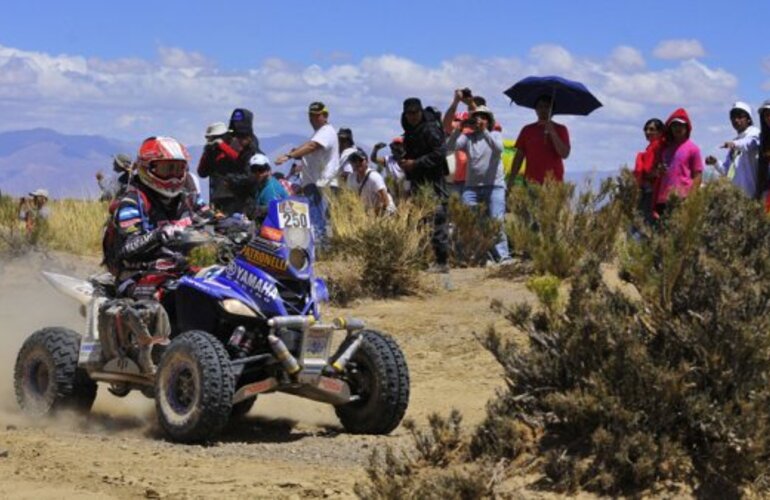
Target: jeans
[318,209]
[494,199]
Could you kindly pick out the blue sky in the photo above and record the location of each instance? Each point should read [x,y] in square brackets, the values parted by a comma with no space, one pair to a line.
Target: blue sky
[131,69]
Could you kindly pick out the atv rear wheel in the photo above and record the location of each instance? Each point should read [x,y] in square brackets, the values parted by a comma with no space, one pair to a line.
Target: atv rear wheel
[47,377]
[194,388]
[378,375]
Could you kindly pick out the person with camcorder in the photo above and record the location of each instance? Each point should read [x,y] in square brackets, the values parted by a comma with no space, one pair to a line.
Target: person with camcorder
[484,178]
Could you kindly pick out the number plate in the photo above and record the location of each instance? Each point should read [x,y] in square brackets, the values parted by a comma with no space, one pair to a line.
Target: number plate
[292,213]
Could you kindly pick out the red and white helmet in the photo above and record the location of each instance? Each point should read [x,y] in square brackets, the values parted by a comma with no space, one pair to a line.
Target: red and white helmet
[162,165]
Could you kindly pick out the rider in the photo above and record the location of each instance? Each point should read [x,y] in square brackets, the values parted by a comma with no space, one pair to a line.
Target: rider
[153,210]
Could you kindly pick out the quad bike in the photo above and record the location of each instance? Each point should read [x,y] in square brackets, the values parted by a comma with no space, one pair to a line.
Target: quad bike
[213,339]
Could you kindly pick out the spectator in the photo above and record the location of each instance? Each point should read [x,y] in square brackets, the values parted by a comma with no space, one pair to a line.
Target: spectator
[544,144]
[347,147]
[454,120]
[681,160]
[369,185]
[320,164]
[424,164]
[295,177]
[764,151]
[220,163]
[484,183]
[268,187]
[740,163]
[34,211]
[388,165]
[117,184]
[647,168]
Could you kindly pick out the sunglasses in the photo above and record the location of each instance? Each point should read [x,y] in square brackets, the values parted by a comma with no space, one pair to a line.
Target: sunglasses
[165,169]
[651,129]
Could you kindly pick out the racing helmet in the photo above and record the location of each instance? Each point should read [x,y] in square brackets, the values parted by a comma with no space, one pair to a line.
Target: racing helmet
[162,165]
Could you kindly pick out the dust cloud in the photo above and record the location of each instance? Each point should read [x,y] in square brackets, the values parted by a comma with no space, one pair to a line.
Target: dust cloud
[28,303]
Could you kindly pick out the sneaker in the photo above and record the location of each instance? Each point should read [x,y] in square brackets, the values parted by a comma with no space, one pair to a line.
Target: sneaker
[439,268]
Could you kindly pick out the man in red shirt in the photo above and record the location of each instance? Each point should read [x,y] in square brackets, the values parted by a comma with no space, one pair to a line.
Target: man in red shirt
[544,144]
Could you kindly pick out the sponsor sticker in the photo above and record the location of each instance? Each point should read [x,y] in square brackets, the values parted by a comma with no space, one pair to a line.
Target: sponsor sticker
[264,259]
[315,343]
[252,282]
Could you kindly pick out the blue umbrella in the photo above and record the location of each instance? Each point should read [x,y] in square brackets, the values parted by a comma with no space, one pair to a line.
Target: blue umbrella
[568,97]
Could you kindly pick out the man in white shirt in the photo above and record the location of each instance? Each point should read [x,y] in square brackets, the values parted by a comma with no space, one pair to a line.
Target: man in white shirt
[369,185]
[320,164]
[347,147]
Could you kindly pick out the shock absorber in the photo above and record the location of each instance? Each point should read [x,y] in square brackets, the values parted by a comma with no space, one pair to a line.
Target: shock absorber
[281,352]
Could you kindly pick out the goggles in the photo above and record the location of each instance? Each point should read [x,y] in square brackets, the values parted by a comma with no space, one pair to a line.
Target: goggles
[168,169]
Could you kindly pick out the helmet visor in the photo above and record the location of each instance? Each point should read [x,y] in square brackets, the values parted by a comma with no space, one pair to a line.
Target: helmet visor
[168,169]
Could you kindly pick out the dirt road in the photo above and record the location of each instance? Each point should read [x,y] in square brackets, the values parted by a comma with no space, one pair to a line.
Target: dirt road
[286,447]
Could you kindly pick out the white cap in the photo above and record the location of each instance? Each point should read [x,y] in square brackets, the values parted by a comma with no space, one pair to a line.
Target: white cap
[216,129]
[742,106]
[259,160]
[39,192]
[765,105]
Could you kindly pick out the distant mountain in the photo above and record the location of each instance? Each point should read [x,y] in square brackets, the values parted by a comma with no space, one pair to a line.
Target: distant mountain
[65,164]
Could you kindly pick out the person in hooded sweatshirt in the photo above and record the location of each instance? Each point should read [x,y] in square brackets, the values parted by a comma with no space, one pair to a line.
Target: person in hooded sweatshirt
[424,164]
[681,160]
[740,164]
[763,160]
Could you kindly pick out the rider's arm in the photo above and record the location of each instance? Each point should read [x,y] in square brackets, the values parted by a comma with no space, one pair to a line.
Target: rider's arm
[137,239]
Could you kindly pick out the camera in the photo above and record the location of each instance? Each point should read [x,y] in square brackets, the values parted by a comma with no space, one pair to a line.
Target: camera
[466,93]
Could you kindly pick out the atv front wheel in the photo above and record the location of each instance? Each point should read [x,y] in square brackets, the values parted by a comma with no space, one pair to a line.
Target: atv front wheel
[242,408]
[47,377]
[194,388]
[379,377]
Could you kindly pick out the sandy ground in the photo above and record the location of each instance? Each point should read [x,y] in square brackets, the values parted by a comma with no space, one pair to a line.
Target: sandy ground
[286,447]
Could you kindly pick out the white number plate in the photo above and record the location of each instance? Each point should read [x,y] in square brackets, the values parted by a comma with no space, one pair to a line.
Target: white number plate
[292,213]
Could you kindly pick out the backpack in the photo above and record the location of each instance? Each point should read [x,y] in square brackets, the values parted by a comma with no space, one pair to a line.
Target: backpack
[111,240]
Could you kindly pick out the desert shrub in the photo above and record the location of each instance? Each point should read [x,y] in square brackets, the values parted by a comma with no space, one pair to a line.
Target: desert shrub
[343,279]
[546,287]
[630,395]
[436,471]
[618,396]
[390,249]
[474,233]
[556,228]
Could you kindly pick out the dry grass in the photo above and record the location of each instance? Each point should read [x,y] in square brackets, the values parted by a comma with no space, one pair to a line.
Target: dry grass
[76,226]
[390,249]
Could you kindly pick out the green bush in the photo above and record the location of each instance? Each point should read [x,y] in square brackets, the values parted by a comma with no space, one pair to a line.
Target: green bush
[474,234]
[660,393]
[556,228]
[620,395]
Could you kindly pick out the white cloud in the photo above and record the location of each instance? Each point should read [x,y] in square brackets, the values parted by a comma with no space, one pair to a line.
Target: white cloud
[625,58]
[182,92]
[679,49]
[174,57]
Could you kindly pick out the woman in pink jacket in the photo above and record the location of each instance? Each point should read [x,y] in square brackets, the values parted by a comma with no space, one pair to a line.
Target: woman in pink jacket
[681,160]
